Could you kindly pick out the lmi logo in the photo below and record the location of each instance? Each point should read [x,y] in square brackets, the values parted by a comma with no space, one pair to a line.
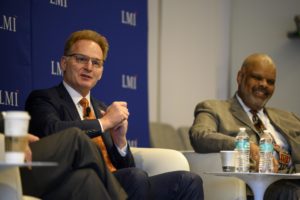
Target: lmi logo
[128,18]
[8,23]
[55,68]
[129,82]
[60,3]
[9,98]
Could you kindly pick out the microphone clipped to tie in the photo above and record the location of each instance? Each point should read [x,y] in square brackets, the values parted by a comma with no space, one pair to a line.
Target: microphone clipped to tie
[87,111]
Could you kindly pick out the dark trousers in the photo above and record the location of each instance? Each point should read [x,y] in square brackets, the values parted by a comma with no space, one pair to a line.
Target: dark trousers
[283,190]
[177,185]
[81,173]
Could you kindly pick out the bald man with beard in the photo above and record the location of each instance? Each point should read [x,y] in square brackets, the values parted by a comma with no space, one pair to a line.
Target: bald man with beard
[217,122]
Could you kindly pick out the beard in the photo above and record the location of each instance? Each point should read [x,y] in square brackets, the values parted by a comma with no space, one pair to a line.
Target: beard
[256,103]
[256,99]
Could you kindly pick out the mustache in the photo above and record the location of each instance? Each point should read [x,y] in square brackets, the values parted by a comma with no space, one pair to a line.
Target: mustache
[261,89]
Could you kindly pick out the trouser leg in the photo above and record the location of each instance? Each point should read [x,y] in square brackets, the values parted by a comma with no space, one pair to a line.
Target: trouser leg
[80,184]
[135,182]
[177,185]
[283,189]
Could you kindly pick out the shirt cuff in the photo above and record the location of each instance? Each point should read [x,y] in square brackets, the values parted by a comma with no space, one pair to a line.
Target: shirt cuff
[123,151]
[101,125]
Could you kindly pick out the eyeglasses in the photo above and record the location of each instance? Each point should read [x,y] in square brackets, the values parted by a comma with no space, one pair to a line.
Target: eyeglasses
[83,59]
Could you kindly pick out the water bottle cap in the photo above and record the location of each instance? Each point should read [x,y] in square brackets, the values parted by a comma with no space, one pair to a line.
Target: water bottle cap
[242,129]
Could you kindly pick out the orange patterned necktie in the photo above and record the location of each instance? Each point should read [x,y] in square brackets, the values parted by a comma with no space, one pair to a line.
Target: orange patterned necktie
[89,114]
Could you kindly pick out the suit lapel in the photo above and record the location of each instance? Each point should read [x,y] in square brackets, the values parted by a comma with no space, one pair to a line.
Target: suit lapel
[275,121]
[69,105]
[98,107]
[239,113]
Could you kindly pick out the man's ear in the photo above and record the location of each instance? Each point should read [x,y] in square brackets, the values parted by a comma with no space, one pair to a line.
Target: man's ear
[239,77]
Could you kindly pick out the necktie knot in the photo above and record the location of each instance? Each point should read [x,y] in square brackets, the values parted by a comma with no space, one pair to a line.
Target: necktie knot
[254,112]
[86,110]
[84,102]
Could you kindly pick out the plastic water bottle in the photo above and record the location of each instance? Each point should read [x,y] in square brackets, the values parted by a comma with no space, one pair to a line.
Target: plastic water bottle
[242,147]
[266,153]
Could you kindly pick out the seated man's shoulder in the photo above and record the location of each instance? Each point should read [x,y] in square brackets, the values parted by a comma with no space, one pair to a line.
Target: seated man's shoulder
[279,112]
[43,92]
[214,103]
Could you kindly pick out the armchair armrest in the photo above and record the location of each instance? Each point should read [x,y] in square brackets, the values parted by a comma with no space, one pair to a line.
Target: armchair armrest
[156,160]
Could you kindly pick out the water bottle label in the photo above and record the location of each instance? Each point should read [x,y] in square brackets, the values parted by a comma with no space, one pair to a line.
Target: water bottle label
[242,144]
[266,147]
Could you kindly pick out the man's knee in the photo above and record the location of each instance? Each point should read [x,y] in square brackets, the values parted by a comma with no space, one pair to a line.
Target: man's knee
[73,133]
[73,136]
[135,182]
[138,176]
[193,185]
[193,180]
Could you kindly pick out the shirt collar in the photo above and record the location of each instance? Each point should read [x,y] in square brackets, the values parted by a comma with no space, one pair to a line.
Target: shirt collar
[76,96]
[246,108]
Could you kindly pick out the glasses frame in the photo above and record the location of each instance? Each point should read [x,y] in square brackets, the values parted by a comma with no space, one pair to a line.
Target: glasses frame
[84,59]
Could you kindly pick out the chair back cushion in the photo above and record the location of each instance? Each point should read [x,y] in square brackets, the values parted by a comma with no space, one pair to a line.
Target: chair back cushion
[163,135]
[183,132]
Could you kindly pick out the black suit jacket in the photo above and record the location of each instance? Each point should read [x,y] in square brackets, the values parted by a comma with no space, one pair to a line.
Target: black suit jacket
[53,110]
[1,124]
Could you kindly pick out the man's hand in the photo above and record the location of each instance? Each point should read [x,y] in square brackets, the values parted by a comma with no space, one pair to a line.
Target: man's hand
[28,153]
[275,165]
[254,155]
[114,116]
[118,134]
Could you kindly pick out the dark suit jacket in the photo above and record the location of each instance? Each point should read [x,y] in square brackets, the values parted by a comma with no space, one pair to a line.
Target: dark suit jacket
[53,110]
[1,124]
[217,123]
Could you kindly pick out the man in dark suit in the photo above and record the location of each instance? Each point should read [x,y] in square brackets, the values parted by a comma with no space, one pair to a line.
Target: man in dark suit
[81,173]
[217,123]
[70,104]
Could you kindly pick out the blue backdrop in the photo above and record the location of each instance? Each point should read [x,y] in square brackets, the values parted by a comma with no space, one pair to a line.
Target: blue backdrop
[32,36]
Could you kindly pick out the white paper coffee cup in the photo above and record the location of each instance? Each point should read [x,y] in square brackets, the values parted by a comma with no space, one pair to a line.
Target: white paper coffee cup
[15,129]
[228,159]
